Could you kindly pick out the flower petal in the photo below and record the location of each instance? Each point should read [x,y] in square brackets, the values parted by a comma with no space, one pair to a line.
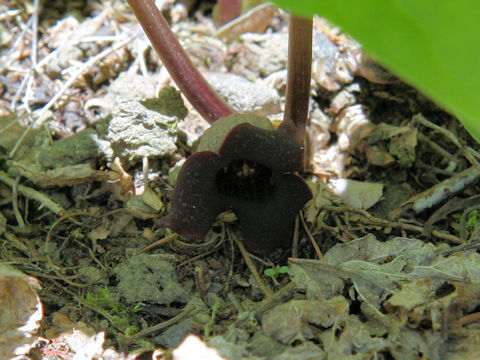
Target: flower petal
[268,225]
[276,149]
[195,202]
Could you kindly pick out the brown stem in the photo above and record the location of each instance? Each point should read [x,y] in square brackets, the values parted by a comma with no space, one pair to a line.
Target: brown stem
[183,72]
[299,75]
[228,10]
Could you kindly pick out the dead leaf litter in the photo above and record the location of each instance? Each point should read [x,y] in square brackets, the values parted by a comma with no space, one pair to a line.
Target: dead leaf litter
[92,134]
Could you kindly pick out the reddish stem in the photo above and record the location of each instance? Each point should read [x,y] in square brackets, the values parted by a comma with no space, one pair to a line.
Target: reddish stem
[299,75]
[228,10]
[183,72]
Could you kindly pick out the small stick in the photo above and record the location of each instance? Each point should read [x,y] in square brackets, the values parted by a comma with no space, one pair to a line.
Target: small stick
[41,118]
[467,151]
[162,325]
[282,295]
[437,148]
[249,262]
[370,219]
[32,194]
[160,242]
[16,210]
[295,239]
[33,56]
[467,319]
[145,169]
[82,69]
[310,236]
[84,303]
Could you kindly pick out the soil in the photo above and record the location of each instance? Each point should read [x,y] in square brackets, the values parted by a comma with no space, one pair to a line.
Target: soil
[384,262]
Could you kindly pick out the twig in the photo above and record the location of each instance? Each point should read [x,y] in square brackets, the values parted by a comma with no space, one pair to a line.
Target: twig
[438,234]
[206,253]
[36,10]
[10,56]
[33,56]
[282,295]
[438,192]
[255,20]
[19,92]
[92,254]
[7,14]
[9,125]
[145,169]
[33,194]
[41,118]
[437,148]
[370,219]
[230,268]
[27,81]
[76,297]
[160,242]
[21,138]
[199,256]
[295,239]
[250,264]
[469,246]
[467,319]
[82,69]
[310,236]
[467,151]
[236,304]
[162,325]
[16,211]
[50,262]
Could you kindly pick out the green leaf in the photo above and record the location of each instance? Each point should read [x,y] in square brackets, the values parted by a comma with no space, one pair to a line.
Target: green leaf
[212,138]
[130,331]
[269,272]
[472,220]
[434,45]
[137,307]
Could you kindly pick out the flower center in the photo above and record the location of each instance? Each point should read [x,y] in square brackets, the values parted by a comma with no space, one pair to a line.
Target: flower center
[246,180]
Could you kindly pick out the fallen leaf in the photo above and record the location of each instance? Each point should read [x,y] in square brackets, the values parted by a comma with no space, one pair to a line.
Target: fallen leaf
[359,194]
[297,319]
[20,311]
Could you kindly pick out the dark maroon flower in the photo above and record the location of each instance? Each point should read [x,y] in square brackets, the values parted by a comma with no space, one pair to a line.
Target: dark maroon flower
[253,175]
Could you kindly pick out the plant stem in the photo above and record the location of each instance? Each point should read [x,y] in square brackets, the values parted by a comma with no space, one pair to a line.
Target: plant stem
[183,72]
[299,75]
[228,10]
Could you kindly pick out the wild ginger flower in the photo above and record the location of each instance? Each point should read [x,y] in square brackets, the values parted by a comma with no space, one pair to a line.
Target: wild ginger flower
[250,171]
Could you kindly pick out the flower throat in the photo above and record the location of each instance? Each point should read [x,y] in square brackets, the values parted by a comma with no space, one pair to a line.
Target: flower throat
[246,180]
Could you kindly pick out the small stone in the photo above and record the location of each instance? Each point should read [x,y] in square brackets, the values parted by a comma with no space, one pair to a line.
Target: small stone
[246,96]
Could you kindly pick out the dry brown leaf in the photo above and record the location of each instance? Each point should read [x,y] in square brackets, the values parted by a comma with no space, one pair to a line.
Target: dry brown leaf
[359,194]
[120,181]
[20,311]
[297,319]
[65,176]
[402,284]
